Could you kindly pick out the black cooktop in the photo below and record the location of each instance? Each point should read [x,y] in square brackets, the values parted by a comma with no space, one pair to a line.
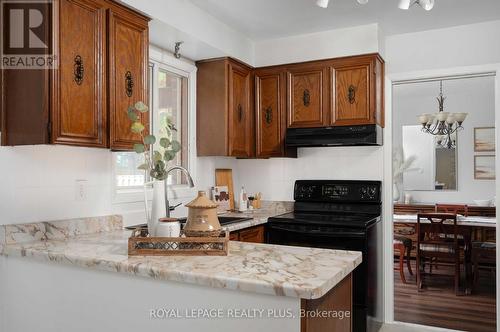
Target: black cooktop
[351,220]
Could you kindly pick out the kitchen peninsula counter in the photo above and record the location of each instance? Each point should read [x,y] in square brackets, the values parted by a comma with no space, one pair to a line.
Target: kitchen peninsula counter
[250,270]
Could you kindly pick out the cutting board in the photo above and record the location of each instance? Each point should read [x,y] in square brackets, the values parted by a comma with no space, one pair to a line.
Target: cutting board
[224,177]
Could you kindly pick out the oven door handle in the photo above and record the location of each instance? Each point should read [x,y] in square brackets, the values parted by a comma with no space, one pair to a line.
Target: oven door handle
[315,232]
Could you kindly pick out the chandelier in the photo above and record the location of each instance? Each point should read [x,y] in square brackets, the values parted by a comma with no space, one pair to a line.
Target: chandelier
[443,125]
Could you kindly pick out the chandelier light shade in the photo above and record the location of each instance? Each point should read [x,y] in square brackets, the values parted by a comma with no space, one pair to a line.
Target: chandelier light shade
[443,125]
[404,4]
[322,3]
[425,4]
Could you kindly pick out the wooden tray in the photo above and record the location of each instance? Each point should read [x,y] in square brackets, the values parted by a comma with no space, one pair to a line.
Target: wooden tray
[140,244]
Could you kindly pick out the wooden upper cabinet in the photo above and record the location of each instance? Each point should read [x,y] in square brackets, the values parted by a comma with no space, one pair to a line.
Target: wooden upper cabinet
[269,112]
[128,69]
[240,115]
[358,89]
[84,100]
[79,109]
[307,96]
[225,118]
[333,92]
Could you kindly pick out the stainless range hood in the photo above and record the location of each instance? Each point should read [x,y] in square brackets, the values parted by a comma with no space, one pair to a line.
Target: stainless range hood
[335,136]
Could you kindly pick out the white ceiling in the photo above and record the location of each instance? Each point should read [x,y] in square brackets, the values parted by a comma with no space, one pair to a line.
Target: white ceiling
[266,19]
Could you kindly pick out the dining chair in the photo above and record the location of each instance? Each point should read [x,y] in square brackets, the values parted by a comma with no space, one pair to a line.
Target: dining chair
[457,209]
[483,256]
[437,243]
[403,245]
[462,209]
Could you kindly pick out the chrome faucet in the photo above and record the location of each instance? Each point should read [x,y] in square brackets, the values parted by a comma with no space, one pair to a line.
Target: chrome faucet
[189,179]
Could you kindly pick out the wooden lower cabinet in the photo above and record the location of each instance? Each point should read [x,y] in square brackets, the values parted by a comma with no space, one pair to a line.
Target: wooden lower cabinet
[253,234]
[338,300]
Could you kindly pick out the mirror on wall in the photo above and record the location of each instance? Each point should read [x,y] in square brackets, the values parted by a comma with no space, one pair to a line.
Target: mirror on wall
[434,167]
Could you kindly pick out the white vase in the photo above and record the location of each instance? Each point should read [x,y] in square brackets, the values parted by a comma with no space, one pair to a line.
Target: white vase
[395,192]
[158,206]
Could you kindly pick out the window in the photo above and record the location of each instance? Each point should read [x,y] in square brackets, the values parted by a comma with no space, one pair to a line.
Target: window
[172,84]
[172,103]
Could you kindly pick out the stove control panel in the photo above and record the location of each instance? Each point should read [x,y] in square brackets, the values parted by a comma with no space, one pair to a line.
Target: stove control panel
[337,191]
[368,192]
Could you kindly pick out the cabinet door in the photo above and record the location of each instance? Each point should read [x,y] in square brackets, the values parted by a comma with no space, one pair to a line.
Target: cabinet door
[307,90]
[234,236]
[269,110]
[254,235]
[78,107]
[352,95]
[241,137]
[128,62]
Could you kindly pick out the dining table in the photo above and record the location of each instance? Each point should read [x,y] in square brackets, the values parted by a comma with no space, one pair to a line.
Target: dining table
[466,226]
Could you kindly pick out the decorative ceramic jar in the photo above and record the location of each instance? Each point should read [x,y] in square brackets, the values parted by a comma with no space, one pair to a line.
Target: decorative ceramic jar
[202,217]
[168,227]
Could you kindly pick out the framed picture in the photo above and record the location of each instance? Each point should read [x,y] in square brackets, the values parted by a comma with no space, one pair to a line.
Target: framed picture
[484,139]
[484,167]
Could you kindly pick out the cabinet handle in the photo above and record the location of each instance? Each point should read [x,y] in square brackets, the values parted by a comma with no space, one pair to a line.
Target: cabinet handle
[78,69]
[306,97]
[240,113]
[268,115]
[129,83]
[351,94]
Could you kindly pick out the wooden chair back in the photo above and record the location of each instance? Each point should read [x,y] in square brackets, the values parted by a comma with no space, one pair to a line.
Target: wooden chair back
[462,209]
[438,231]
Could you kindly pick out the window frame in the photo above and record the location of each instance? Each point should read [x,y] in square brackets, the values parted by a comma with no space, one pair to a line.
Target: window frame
[160,59]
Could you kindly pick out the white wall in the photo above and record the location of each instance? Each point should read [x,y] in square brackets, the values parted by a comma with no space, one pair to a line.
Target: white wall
[464,45]
[275,177]
[319,45]
[39,183]
[475,96]
[189,20]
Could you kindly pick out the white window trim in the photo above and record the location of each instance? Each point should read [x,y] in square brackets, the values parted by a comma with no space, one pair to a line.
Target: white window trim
[165,60]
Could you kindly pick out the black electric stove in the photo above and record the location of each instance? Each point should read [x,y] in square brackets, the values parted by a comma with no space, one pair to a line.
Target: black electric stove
[338,215]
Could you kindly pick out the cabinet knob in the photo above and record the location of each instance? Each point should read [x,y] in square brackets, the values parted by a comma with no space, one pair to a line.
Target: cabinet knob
[306,97]
[268,115]
[78,69]
[129,84]
[351,94]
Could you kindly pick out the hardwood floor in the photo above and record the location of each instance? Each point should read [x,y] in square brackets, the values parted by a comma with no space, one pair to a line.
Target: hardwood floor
[437,305]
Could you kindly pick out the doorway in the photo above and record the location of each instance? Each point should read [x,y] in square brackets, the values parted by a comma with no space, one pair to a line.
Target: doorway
[424,182]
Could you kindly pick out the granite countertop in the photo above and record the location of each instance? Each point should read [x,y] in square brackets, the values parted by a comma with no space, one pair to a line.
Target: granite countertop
[101,244]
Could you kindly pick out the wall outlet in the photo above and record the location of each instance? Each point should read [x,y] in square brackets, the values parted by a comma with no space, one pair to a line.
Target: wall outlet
[81,190]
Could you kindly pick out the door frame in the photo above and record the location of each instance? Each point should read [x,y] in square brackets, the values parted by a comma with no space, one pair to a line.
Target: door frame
[388,209]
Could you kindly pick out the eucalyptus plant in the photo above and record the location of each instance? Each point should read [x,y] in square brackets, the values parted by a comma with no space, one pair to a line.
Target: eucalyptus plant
[156,159]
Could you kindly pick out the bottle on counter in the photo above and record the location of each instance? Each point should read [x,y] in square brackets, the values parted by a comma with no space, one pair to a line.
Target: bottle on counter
[243,200]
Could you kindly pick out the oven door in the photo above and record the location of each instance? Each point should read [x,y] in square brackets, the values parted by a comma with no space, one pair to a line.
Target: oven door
[316,237]
[328,238]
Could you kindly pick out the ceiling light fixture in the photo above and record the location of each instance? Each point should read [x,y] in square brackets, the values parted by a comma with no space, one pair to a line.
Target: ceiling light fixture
[322,3]
[443,125]
[362,2]
[425,4]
